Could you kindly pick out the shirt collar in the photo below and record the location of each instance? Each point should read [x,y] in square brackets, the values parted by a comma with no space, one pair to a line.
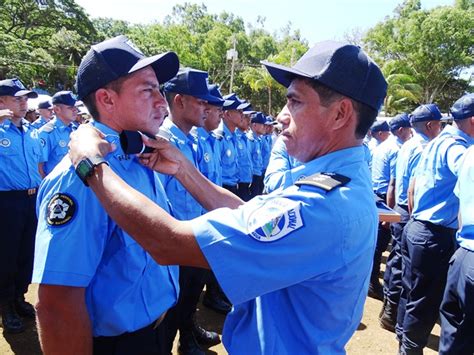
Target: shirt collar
[113,136]
[177,134]
[457,132]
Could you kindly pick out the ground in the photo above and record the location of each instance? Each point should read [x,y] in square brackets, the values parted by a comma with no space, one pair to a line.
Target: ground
[368,339]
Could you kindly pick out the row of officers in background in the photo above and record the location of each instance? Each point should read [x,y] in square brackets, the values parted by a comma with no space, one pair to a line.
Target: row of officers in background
[422,167]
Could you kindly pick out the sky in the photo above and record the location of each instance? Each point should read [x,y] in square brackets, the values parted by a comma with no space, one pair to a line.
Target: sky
[317,20]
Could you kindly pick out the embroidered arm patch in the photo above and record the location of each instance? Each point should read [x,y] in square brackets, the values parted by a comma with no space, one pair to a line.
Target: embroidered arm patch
[325,181]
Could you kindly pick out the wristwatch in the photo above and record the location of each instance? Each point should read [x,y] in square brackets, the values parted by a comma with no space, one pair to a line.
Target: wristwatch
[86,167]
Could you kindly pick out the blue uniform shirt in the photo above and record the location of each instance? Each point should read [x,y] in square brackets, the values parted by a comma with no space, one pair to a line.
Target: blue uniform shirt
[384,159]
[20,154]
[244,161]
[464,190]
[209,156]
[54,137]
[79,245]
[301,261]
[185,207]
[266,149]
[40,122]
[278,167]
[255,146]
[230,171]
[436,176]
[407,160]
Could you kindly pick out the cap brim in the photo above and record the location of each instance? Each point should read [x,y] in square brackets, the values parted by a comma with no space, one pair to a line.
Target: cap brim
[249,112]
[165,65]
[243,106]
[282,74]
[29,93]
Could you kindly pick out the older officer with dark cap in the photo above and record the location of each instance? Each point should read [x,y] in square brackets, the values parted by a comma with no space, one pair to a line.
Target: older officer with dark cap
[295,263]
[99,291]
[428,240]
[20,165]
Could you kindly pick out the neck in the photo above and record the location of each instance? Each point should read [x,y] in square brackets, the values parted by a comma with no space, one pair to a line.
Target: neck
[64,121]
[230,125]
[181,123]
[16,121]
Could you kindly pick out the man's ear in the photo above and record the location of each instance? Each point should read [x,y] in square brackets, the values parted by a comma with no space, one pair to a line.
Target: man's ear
[178,101]
[344,113]
[105,100]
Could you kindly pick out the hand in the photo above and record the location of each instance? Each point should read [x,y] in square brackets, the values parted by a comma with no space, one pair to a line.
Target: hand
[86,142]
[4,114]
[165,159]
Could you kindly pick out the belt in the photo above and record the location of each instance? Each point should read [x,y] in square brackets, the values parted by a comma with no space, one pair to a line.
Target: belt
[19,193]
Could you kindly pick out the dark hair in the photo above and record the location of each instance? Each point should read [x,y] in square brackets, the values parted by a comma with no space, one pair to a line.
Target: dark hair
[169,98]
[366,115]
[90,102]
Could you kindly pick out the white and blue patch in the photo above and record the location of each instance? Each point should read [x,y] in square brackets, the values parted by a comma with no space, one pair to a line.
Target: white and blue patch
[43,142]
[5,142]
[275,219]
[62,143]
[207,157]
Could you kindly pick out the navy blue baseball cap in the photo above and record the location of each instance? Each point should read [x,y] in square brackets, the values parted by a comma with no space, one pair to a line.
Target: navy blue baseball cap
[64,98]
[342,67]
[214,91]
[190,82]
[117,57]
[270,121]
[258,117]
[464,107]
[428,112]
[14,87]
[46,104]
[399,121]
[380,126]
[232,102]
[249,110]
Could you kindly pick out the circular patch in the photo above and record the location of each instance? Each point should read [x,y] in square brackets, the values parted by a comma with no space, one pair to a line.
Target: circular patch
[43,142]
[62,143]
[5,142]
[61,209]
[207,158]
[228,152]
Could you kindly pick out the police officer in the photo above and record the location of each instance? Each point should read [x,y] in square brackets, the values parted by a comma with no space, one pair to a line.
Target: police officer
[295,288]
[244,158]
[383,169]
[20,160]
[426,122]
[457,313]
[54,135]
[379,132]
[257,131]
[45,110]
[99,290]
[428,240]
[187,95]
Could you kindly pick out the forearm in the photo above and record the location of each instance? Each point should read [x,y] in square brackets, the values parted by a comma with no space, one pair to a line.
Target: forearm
[391,194]
[166,239]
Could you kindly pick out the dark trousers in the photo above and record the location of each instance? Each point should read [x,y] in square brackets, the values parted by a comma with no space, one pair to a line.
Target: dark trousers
[392,280]
[256,188]
[17,243]
[457,308]
[426,251]
[232,189]
[243,190]
[145,341]
[383,238]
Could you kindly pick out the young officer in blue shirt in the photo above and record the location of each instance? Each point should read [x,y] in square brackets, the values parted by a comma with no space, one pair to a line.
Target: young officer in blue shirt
[257,131]
[99,290]
[45,109]
[457,311]
[428,240]
[426,123]
[20,166]
[295,263]
[54,135]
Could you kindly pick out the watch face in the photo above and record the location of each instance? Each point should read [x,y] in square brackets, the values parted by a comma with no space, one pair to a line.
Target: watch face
[84,168]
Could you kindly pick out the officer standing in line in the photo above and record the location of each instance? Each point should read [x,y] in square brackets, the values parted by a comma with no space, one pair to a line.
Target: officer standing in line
[99,291]
[45,110]
[187,95]
[295,288]
[426,122]
[231,118]
[244,159]
[257,131]
[428,239]
[280,164]
[55,134]
[379,132]
[383,168]
[457,312]
[266,143]
[20,160]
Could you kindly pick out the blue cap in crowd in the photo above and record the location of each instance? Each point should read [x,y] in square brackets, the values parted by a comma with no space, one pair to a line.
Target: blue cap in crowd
[463,108]
[258,117]
[428,112]
[380,126]
[270,121]
[216,93]
[232,102]
[190,82]
[45,104]
[64,98]
[399,121]
[14,87]
[249,110]
[114,58]
[342,67]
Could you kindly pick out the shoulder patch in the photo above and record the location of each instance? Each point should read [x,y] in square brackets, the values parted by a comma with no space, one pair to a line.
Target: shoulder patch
[325,181]
[48,127]
[5,142]
[275,219]
[61,209]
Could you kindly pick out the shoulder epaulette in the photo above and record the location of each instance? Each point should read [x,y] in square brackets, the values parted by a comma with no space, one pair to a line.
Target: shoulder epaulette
[325,181]
[48,127]
[218,134]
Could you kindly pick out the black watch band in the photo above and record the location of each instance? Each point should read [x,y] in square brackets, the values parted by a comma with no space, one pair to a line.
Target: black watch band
[86,167]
